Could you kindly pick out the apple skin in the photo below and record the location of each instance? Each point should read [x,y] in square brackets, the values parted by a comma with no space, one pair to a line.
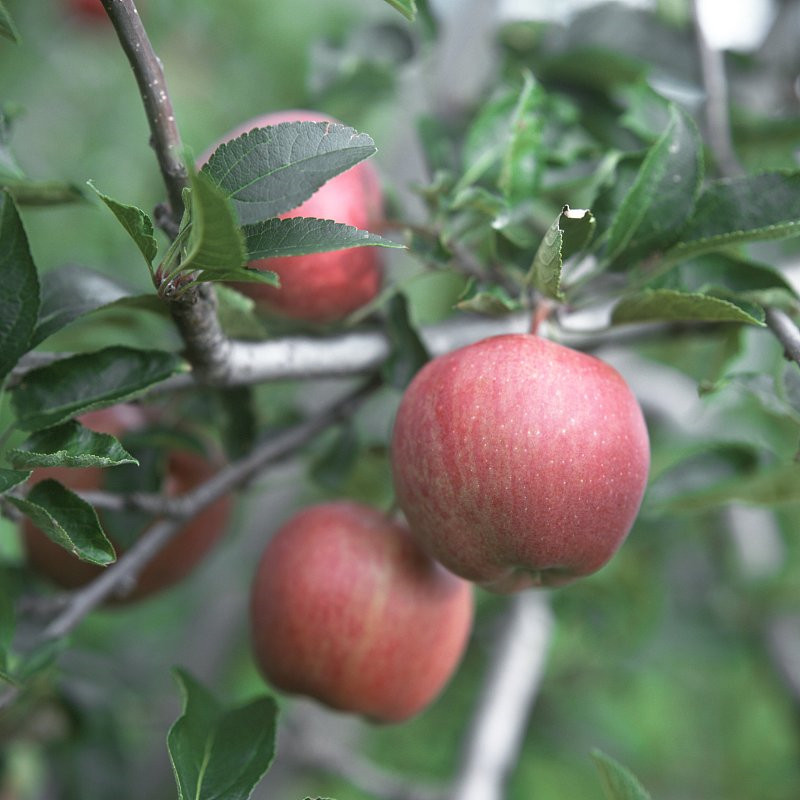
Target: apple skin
[90,10]
[519,462]
[347,609]
[185,470]
[322,287]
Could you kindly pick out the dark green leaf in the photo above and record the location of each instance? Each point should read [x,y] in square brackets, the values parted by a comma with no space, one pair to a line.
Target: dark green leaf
[19,288]
[244,274]
[9,478]
[70,292]
[408,8]
[662,196]
[569,234]
[299,235]
[269,171]
[619,783]
[68,520]
[215,240]
[522,160]
[408,351]
[747,209]
[218,753]
[653,305]
[7,27]
[57,392]
[70,445]
[138,224]
[333,466]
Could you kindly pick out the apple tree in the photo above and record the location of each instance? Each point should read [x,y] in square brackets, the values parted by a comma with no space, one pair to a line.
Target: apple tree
[432,364]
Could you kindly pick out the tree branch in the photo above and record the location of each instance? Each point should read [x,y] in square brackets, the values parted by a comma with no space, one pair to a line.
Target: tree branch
[712,65]
[498,726]
[786,332]
[149,74]
[125,571]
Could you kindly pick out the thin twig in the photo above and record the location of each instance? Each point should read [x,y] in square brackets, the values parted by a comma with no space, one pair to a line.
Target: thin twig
[125,571]
[712,65]
[498,726]
[149,74]
[786,332]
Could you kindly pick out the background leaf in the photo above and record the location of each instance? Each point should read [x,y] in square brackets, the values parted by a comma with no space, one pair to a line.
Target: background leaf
[70,445]
[619,783]
[408,8]
[746,209]
[662,196]
[409,353]
[269,171]
[218,753]
[653,305]
[67,520]
[19,288]
[71,291]
[57,392]
[7,27]
[299,235]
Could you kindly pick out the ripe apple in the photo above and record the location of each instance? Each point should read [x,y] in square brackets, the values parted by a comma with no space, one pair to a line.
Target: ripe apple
[346,608]
[322,287]
[519,462]
[90,10]
[185,469]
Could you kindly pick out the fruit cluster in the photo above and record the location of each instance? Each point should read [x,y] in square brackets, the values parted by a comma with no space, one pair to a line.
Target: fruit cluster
[517,462]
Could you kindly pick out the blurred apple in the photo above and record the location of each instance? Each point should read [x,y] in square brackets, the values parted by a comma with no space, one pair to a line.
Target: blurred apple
[183,470]
[348,610]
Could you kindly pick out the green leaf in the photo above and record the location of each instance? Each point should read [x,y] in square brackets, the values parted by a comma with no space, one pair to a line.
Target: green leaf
[269,171]
[70,445]
[651,305]
[521,162]
[71,291]
[67,520]
[138,224]
[7,27]
[408,8]
[569,234]
[300,235]
[218,753]
[9,478]
[215,241]
[746,209]
[331,468]
[52,394]
[7,620]
[619,783]
[30,192]
[243,274]
[19,288]
[662,196]
[766,487]
[409,353]
[493,301]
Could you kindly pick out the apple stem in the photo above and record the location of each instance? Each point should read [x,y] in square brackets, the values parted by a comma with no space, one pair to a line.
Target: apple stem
[541,312]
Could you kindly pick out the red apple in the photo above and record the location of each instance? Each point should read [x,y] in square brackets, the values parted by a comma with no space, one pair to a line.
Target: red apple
[519,462]
[90,10]
[323,287]
[185,469]
[347,609]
